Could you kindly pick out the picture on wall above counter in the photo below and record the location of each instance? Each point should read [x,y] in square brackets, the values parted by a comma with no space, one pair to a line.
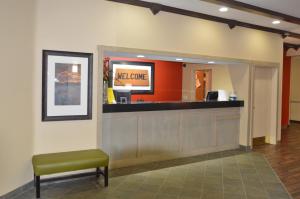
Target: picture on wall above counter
[137,77]
[67,86]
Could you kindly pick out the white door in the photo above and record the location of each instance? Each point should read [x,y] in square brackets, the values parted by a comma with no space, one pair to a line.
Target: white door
[263,100]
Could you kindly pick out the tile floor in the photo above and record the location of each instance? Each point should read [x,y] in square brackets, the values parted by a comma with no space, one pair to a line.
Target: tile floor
[223,175]
[285,158]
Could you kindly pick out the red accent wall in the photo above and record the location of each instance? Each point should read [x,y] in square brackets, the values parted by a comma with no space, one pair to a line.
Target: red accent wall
[167,80]
[286,90]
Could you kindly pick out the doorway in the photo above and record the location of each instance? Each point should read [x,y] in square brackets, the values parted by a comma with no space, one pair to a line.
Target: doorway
[265,89]
[202,84]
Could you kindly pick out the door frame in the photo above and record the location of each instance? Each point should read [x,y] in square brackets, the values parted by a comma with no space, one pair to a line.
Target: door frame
[194,75]
[275,134]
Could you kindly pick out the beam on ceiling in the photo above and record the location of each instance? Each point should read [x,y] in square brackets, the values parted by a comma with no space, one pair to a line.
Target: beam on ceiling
[289,45]
[155,8]
[255,10]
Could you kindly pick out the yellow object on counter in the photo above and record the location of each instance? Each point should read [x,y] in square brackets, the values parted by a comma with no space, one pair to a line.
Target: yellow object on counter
[110,96]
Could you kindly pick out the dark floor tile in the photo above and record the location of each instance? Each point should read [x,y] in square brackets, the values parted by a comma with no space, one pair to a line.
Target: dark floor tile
[250,177]
[269,178]
[213,180]
[278,195]
[129,186]
[248,170]
[193,182]
[119,195]
[212,195]
[166,196]
[191,192]
[235,189]
[256,197]
[170,190]
[210,188]
[274,187]
[233,182]
[154,180]
[188,197]
[257,191]
[232,176]
[143,195]
[233,196]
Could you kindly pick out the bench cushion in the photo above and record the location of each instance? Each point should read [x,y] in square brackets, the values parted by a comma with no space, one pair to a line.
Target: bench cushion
[45,164]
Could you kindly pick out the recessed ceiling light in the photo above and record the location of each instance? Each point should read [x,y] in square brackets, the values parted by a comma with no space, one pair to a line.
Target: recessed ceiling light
[140,56]
[211,62]
[223,9]
[179,59]
[275,22]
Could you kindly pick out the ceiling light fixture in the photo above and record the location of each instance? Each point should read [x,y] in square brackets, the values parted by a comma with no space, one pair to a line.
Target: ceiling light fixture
[211,62]
[179,59]
[223,9]
[275,22]
[140,56]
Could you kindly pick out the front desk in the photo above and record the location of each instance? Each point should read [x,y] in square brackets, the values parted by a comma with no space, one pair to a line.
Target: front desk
[146,132]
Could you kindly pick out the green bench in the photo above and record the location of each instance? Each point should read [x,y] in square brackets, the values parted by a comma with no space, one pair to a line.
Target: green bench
[52,163]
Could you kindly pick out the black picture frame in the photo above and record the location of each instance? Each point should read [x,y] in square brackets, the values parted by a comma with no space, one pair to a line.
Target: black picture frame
[135,63]
[45,69]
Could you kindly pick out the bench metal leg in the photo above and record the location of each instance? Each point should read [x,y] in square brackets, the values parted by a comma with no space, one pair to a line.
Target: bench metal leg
[98,172]
[37,186]
[106,176]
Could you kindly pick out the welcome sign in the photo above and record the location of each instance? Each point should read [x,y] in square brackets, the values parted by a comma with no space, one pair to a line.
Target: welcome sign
[135,76]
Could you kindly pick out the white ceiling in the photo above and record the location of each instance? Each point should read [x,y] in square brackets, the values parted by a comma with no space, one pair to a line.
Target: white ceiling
[290,7]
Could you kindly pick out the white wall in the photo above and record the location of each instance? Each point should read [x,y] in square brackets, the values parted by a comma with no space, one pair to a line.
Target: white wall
[240,78]
[231,78]
[16,126]
[81,25]
[221,79]
[295,91]
[262,99]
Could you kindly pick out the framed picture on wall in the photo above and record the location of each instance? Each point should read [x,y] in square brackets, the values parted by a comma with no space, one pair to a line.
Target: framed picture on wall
[137,77]
[66,85]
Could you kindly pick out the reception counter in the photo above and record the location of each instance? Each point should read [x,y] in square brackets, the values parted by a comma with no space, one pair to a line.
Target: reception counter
[147,132]
[177,105]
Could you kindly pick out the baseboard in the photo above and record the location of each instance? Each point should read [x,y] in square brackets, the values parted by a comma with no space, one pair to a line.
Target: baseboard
[295,121]
[115,164]
[259,141]
[245,148]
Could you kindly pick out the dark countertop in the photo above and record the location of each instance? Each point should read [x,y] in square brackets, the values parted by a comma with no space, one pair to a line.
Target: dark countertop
[160,106]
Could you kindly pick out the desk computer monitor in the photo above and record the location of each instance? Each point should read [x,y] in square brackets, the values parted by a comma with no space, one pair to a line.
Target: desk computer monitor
[212,96]
[123,96]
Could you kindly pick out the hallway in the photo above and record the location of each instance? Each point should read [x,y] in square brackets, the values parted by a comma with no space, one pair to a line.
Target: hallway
[285,158]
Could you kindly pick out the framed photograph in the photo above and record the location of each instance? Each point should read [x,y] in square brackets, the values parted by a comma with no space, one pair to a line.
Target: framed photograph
[138,77]
[66,86]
